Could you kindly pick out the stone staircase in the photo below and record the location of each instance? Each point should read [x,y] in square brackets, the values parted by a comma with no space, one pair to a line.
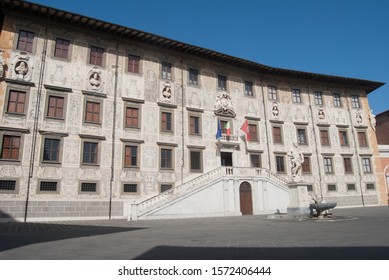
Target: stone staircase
[144,208]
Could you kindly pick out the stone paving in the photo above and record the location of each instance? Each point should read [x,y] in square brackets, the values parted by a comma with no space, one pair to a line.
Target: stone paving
[244,237]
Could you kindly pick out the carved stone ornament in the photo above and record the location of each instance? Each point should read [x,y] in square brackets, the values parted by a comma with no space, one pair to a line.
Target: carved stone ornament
[94,79]
[1,64]
[223,105]
[372,120]
[274,110]
[166,93]
[358,117]
[21,67]
[321,114]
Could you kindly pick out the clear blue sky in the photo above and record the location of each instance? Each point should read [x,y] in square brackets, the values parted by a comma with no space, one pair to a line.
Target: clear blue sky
[338,37]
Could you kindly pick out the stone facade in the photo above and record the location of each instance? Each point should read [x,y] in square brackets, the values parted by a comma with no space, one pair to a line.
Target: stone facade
[139,118]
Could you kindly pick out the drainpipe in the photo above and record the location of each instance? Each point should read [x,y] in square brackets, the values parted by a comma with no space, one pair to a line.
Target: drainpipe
[316,144]
[182,122]
[36,122]
[266,128]
[113,131]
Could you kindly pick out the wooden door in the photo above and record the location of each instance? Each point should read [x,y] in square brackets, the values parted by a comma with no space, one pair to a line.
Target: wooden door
[246,201]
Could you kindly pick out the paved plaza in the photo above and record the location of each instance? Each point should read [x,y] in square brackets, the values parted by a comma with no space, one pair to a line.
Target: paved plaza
[364,236]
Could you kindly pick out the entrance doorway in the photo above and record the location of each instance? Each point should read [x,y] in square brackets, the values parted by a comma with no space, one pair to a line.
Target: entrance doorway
[226,159]
[246,201]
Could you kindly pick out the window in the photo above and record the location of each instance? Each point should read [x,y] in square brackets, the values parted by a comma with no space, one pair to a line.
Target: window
[88,187]
[328,165]
[166,158]
[7,185]
[166,122]
[166,71]
[337,102]
[277,134]
[10,147]
[193,77]
[248,88]
[92,112]
[130,188]
[133,63]
[324,139]
[296,96]
[272,93]
[25,41]
[350,187]
[221,82]
[310,188]
[255,160]
[55,107]
[48,186]
[166,187]
[370,186]
[90,153]
[61,48]
[343,139]
[130,156]
[362,140]
[194,125]
[366,165]
[280,165]
[132,117]
[96,56]
[51,149]
[253,131]
[302,136]
[306,166]
[355,101]
[331,188]
[16,102]
[318,98]
[347,164]
[196,161]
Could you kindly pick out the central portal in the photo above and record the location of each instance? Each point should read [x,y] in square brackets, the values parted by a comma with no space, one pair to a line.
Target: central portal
[246,201]
[226,159]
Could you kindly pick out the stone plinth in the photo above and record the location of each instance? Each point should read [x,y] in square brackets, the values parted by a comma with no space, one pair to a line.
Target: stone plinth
[298,199]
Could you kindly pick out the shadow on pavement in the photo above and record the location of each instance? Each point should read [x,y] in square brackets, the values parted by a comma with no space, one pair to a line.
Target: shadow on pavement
[284,253]
[13,235]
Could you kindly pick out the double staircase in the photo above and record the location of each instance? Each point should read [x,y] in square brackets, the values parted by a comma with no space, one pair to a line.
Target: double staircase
[142,209]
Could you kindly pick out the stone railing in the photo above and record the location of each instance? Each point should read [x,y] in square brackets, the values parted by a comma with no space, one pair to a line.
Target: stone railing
[154,202]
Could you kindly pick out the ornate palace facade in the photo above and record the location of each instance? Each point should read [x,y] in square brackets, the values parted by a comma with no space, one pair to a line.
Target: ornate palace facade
[99,120]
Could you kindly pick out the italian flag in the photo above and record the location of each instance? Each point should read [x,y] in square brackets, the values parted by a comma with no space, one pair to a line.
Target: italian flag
[227,128]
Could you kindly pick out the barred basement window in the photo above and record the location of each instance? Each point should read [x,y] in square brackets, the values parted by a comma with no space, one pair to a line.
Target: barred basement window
[165,187]
[351,187]
[331,188]
[88,187]
[310,188]
[130,188]
[48,187]
[7,185]
[370,186]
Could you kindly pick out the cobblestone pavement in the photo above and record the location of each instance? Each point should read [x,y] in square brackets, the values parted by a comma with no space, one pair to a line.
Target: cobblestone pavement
[365,236]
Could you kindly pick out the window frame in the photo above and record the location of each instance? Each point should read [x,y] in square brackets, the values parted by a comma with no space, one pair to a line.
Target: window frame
[25,49]
[57,187]
[94,101]
[97,190]
[355,103]
[7,179]
[137,159]
[59,153]
[47,107]
[136,65]
[304,136]
[337,100]
[193,77]
[348,166]
[222,83]
[277,163]
[4,134]
[332,190]
[318,98]
[200,169]
[172,162]
[169,185]
[364,143]
[94,49]
[192,132]
[349,188]
[254,135]
[342,133]
[130,193]
[306,165]
[126,117]
[164,128]
[253,154]
[167,71]
[97,153]
[280,135]
[61,56]
[272,93]
[296,96]
[248,88]
[367,167]
[8,100]
[328,144]
[328,165]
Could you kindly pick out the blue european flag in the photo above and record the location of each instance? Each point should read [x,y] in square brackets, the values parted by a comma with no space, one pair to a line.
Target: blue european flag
[219,130]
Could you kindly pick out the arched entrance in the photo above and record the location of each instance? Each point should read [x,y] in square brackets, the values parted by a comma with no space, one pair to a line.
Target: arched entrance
[246,201]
